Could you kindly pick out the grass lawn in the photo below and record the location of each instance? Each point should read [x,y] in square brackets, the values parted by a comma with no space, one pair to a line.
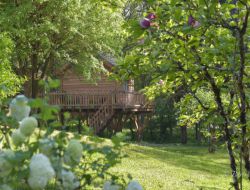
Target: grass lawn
[172,167]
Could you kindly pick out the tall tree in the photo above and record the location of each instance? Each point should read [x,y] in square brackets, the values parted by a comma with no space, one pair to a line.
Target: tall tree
[195,45]
[9,82]
[50,34]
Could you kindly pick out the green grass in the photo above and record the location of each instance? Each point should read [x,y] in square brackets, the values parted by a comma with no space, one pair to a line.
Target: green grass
[177,167]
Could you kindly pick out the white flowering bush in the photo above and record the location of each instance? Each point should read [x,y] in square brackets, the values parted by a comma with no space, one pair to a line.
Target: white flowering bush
[28,125]
[46,146]
[19,108]
[5,164]
[73,152]
[69,181]
[109,186]
[17,137]
[134,185]
[5,187]
[35,156]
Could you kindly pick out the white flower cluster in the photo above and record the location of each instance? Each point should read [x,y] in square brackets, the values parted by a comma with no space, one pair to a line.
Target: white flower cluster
[19,108]
[41,171]
[17,137]
[69,181]
[46,146]
[133,185]
[73,153]
[27,127]
[109,186]
[5,166]
[5,187]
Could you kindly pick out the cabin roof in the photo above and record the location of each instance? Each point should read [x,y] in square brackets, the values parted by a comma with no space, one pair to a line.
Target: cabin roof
[108,63]
[107,58]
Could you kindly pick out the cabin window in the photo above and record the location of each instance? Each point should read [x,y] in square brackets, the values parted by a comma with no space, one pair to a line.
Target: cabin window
[125,86]
[131,87]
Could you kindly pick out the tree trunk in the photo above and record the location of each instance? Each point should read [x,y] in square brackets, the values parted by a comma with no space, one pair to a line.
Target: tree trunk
[79,125]
[183,134]
[34,64]
[217,95]
[197,133]
[212,139]
[242,95]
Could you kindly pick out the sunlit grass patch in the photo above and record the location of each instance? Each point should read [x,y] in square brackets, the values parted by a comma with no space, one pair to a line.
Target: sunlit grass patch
[168,167]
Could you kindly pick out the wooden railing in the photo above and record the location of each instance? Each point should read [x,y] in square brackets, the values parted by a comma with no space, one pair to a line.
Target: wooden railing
[118,99]
[128,99]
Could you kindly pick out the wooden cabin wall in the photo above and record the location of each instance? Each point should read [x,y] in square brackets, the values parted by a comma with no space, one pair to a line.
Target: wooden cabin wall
[73,83]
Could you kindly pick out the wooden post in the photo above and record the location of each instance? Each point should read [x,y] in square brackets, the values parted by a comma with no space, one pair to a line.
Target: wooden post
[139,125]
[62,120]
[79,124]
[119,125]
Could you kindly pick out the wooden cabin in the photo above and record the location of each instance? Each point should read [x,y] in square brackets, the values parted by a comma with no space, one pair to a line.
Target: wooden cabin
[104,103]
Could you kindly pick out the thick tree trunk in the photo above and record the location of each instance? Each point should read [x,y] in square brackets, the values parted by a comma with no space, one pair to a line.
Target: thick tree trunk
[242,95]
[217,95]
[212,139]
[183,134]
[34,64]
[171,130]
[197,133]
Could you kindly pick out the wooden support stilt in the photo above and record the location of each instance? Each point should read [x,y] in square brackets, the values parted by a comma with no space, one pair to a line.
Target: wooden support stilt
[61,115]
[119,125]
[139,125]
[79,125]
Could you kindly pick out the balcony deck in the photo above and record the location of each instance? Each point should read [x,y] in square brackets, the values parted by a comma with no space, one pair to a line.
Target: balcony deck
[118,100]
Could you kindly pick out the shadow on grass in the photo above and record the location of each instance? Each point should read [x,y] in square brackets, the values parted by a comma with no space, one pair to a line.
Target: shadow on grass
[189,157]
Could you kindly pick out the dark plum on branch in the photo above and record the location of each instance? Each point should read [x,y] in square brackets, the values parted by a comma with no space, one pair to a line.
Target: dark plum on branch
[145,23]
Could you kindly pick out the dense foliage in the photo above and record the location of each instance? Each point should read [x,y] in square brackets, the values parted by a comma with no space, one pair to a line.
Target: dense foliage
[199,46]
[9,82]
[50,36]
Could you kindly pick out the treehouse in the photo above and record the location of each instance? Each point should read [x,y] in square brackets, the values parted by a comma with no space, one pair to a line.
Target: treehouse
[104,103]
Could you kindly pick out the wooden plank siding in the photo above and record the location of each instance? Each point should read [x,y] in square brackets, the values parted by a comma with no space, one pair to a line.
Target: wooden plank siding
[71,82]
[77,93]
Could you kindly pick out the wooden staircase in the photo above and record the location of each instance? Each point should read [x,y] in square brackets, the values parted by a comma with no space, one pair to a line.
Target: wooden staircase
[99,120]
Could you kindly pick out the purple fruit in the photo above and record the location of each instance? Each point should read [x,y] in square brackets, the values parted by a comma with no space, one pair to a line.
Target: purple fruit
[145,23]
[191,20]
[151,16]
[161,82]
